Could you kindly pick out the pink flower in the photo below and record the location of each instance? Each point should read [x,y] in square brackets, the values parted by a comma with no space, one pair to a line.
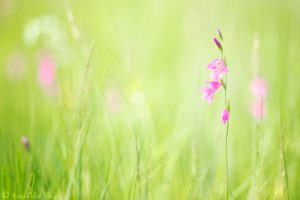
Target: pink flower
[209,90]
[218,66]
[258,109]
[215,64]
[46,72]
[225,116]
[259,87]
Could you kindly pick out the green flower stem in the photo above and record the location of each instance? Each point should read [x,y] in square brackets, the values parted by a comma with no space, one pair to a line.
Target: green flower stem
[227,127]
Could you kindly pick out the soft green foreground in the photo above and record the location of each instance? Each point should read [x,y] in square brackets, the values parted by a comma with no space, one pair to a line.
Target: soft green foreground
[165,142]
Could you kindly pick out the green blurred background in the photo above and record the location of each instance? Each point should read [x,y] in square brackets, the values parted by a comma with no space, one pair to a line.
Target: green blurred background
[132,123]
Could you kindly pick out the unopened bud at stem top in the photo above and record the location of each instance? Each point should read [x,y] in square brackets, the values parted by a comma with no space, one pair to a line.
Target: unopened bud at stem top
[218,43]
[220,35]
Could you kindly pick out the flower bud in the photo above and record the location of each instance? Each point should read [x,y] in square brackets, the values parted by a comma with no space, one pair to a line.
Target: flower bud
[218,43]
[225,116]
[25,142]
[220,35]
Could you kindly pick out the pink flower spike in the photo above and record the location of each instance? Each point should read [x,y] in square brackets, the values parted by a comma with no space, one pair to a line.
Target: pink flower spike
[259,87]
[209,90]
[225,116]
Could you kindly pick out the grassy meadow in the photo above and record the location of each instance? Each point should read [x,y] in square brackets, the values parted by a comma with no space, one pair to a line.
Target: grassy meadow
[101,99]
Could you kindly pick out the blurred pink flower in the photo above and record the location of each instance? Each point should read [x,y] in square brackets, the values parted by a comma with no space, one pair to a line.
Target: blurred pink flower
[259,91]
[25,142]
[209,90]
[52,90]
[113,100]
[225,116]
[16,66]
[218,67]
[47,71]
[258,109]
[259,87]
[7,7]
